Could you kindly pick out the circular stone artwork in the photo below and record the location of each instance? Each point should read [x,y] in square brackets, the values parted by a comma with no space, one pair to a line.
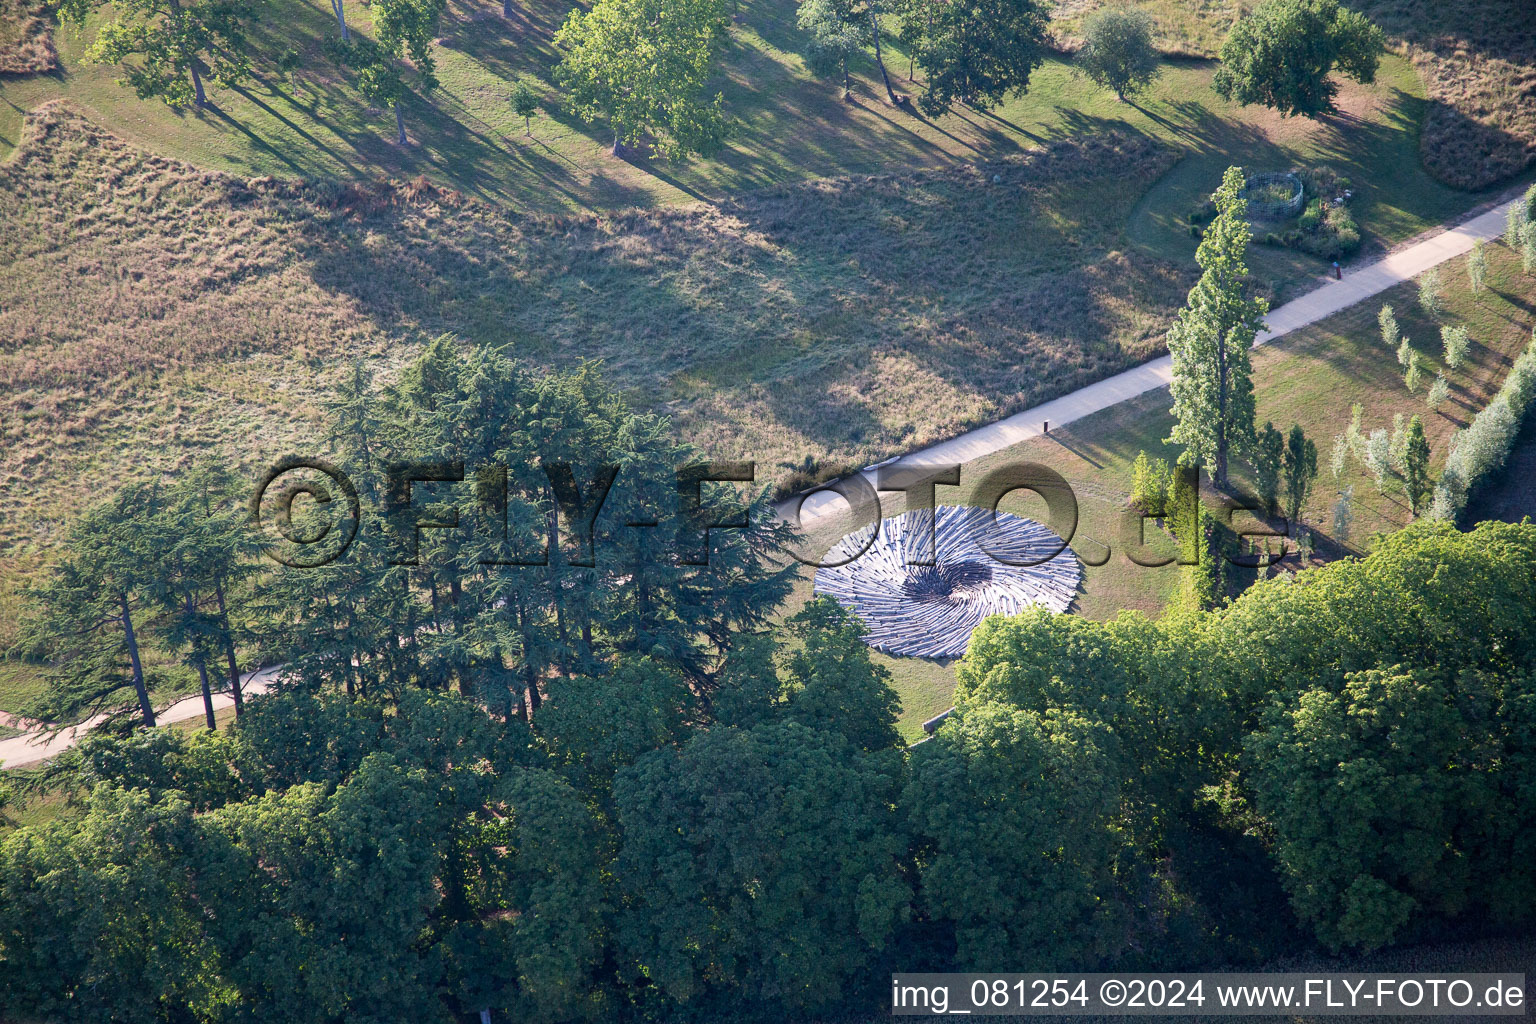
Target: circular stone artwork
[982,565]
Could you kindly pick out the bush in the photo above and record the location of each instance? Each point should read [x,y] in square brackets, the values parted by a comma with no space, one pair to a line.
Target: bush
[1311,217]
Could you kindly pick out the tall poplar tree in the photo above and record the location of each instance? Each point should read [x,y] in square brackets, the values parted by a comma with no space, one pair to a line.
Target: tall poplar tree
[1209,341]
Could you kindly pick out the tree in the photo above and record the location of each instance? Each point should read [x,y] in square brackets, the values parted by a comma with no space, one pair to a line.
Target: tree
[206,551]
[525,103]
[1343,514]
[165,49]
[1117,51]
[94,899]
[323,897]
[1389,331]
[835,33]
[1414,375]
[403,30]
[1416,466]
[339,7]
[1268,458]
[596,726]
[642,66]
[92,606]
[1429,292]
[1300,471]
[1018,811]
[1514,226]
[1477,265]
[1209,341]
[760,864]
[975,53]
[1381,793]
[831,681]
[1404,353]
[1283,52]
[1457,344]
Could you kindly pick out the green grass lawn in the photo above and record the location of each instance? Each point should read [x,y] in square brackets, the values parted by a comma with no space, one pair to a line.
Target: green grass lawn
[1312,377]
[789,126]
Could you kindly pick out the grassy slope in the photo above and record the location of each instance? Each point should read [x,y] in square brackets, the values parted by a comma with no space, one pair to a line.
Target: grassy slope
[790,127]
[182,311]
[1478,58]
[1311,377]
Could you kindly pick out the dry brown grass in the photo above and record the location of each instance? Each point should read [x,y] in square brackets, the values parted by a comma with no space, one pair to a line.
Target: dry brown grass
[1478,61]
[26,38]
[150,311]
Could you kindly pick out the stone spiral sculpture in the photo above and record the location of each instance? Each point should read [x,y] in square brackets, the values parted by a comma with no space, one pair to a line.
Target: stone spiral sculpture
[981,566]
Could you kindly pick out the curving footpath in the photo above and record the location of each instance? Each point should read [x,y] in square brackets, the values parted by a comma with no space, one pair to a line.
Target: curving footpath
[1334,296]
[41,745]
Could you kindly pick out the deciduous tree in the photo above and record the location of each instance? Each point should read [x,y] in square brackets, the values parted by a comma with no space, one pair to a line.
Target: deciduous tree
[975,53]
[402,30]
[642,66]
[1117,51]
[165,47]
[1284,52]
[835,34]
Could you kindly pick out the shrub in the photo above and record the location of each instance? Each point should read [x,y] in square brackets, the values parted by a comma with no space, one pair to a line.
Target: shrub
[1483,446]
[1389,329]
[1457,345]
[1429,291]
[1311,217]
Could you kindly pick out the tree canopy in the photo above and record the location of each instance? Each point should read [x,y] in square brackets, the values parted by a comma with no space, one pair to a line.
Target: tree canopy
[643,67]
[1283,54]
[974,53]
[165,49]
[1117,50]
